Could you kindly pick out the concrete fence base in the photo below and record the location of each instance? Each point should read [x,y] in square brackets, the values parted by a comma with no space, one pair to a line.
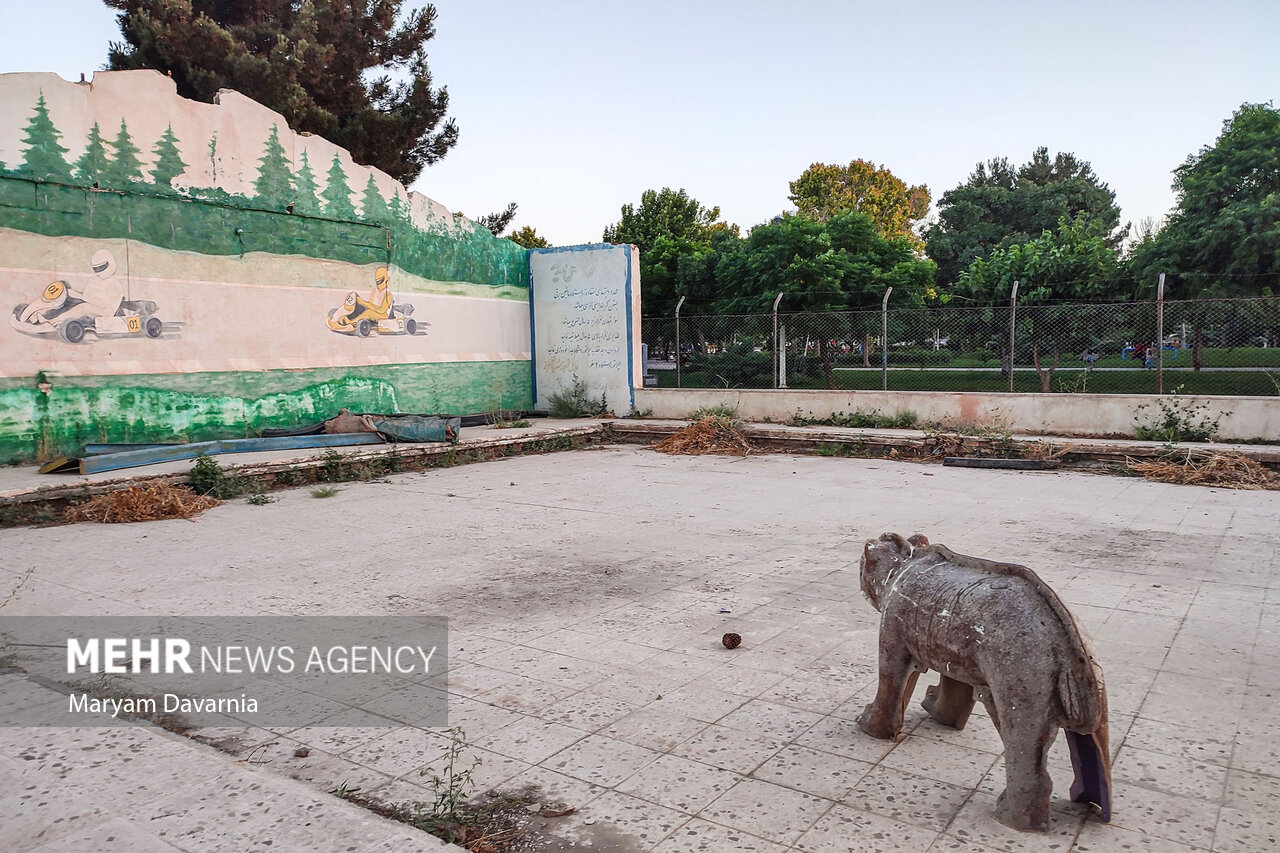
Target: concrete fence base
[1097,415]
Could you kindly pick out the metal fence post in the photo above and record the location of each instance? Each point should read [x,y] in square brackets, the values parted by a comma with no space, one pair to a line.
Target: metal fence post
[1013,312]
[775,338]
[782,359]
[884,341]
[1160,335]
[679,349]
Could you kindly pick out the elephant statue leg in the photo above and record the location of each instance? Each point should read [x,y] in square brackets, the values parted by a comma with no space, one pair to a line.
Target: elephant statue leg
[1025,802]
[984,696]
[898,673]
[949,702]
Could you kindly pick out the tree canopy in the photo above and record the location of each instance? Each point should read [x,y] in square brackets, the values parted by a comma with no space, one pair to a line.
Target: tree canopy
[841,264]
[325,65]
[529,238]
[838,265]
[667,226]
[1223,237]
[662,213]
[1073,262]
[824,191]
[999,206]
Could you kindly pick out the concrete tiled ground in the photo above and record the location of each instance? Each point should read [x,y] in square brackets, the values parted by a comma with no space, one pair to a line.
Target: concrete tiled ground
[585,592]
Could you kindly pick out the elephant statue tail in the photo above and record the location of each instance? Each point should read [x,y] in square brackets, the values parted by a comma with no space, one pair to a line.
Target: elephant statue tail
[1083,695]
[1081,692]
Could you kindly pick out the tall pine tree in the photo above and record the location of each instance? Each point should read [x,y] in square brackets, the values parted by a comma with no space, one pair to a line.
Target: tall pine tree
[44,159]
[168,163]
[352,71]
[305,197]
[337,193]
[91,164]
[125,169]
[274,186]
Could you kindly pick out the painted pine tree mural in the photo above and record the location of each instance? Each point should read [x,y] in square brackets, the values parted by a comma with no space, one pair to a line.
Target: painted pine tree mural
[168,163]
[125,168]
[373,207]
[305,192]
[398,209]
[44,159]
[274,186]
[337,194]
[93,162]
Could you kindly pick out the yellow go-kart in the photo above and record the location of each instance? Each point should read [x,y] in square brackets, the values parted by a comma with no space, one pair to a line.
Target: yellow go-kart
[357,318]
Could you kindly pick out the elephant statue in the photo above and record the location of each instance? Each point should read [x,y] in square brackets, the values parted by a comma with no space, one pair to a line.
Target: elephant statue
[994,632]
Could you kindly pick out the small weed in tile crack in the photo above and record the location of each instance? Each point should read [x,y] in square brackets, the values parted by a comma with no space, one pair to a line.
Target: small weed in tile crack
[496,822]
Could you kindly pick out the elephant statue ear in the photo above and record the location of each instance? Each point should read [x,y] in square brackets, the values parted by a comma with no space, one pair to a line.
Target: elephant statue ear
[919,540]
[893,539]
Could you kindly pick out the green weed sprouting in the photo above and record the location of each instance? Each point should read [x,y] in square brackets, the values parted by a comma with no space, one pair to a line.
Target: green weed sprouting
[576,402]
[1172,419]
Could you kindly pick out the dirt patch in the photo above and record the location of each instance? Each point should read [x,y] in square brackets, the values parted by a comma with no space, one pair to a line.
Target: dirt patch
[497,822]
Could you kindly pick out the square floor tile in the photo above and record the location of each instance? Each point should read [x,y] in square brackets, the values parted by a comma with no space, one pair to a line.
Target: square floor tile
[766,810]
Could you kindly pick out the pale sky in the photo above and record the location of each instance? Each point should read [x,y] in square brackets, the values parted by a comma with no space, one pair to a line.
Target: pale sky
[572,109]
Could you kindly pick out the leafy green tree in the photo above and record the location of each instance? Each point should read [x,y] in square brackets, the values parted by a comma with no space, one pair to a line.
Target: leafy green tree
[823,191]
[168,164]
[306,198]
[696,271]
[90,165]
[43,159]
[352,71]
[528,237]
[667,225]
[125,169]
[1073,264]
[1223,237]
[274,185]
[999,206]
[664,213]
[843,264]
[373,207]
[337,193]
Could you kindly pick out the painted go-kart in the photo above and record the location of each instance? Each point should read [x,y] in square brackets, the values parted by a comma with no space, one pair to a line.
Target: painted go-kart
[353,318]
[65,317]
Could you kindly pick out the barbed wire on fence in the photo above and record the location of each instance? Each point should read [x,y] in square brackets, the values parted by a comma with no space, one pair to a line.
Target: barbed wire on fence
[1205,347]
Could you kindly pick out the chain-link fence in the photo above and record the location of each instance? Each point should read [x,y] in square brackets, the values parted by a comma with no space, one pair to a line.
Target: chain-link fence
[1224,347]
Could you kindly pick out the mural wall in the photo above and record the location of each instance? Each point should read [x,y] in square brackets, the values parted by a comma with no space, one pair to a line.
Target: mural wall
[586,322]
[171,270]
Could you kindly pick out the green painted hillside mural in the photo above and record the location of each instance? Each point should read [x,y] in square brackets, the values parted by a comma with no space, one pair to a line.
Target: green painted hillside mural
[203,407]
[106,193]
[179,271]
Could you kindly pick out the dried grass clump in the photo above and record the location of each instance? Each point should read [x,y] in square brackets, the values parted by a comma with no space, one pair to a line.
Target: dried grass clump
[712,434]
[1224,470]
[1046,451]
[147,502]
